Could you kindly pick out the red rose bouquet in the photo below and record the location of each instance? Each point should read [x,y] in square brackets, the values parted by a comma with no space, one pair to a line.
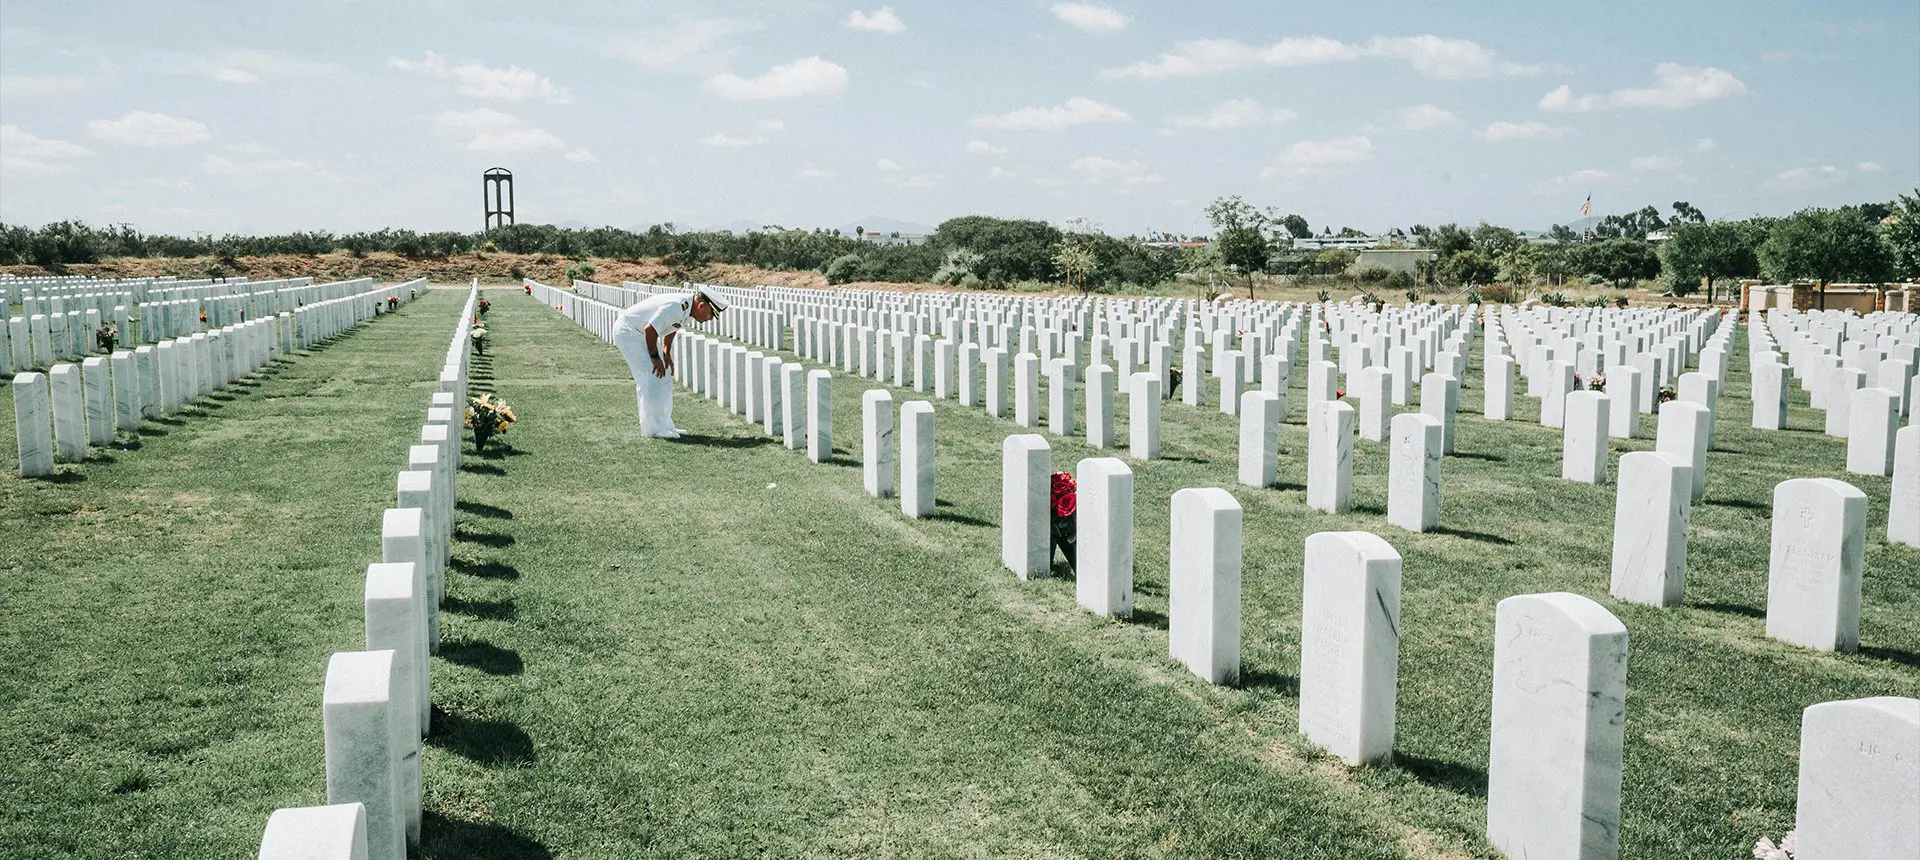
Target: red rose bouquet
[1066,502]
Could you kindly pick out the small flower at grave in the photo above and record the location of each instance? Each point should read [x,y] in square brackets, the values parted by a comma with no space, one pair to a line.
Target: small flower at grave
[203,316]
[107,336]
[1065,502]
[1668,393]
[528,288]
[478,334]
[1597,382]
[393,302]
[1339,394]
[1174,375]
[485,306]
[488,415]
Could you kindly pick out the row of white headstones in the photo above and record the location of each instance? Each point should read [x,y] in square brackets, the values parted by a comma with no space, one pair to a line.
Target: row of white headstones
[62,414]
[1352,595]
[66,327]
[376,702]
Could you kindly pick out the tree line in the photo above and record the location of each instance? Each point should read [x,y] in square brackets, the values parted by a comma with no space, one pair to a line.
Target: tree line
[1870,242]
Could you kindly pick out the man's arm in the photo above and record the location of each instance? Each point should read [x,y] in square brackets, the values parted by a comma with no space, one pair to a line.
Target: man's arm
[671,336]
[653,351]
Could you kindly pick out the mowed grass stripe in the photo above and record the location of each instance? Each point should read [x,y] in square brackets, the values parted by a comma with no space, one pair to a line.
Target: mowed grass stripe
[171,603]
[706,665]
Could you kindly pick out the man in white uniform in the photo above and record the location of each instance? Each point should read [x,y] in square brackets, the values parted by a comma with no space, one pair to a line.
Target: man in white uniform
[645,334]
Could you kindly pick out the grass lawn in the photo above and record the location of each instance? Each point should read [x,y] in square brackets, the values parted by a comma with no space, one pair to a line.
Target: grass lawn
[717,648]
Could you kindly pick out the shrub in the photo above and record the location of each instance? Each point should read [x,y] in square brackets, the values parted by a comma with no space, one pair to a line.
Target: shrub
[1596,280]
[1501,293]
[1558,300]
[580,271]
[1374,275]
[844,269]
[1400,281]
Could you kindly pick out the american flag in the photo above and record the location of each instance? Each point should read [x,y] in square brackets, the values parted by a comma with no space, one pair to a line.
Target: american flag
[1586,206]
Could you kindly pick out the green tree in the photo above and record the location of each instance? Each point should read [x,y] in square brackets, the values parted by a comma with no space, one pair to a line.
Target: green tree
[1450,239]
[1517,264]
[1826,245]
[1902,228]
[1494,241]
[1618,260]
[1074,259]
[1684,213]
[1467,268]
[1334,261]
[1722,249]
[1011,249]
[1240,232]
[1296,227]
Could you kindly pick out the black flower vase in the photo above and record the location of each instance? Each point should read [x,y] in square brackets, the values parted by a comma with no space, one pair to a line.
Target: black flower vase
[1064,538]
[480,437]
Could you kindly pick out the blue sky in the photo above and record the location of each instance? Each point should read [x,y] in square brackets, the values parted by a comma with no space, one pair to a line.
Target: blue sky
[217,117]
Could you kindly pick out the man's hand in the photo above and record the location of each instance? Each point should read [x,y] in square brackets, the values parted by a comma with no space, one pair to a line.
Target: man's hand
[669,362]
[659,368]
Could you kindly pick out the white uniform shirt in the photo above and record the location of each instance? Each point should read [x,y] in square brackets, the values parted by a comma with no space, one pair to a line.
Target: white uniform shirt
[664,312]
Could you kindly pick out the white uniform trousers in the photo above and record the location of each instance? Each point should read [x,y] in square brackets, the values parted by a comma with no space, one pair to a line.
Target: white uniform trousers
[654,393]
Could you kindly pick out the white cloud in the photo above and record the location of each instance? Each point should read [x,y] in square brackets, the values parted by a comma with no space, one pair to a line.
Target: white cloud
[1438,57]
[224,166]
[483,82]
[772,125]
[1655,162]
[1077,111]
[813,173]
[145,128]
[233,67]
[883,21]
[39,86]
[1100,170]
[999,172]
[23,154]
[497,132]
[1675,86]
[1234,113]
[580,156]
[810,76]
[1705,145]
[1433,56]
[1426,118]
[1868,167]
[682,45]
[1806,179]
[724,141]
[1308,157]
[981,147]
[1504,130]
[887,165]
[1090,17]
[21,144]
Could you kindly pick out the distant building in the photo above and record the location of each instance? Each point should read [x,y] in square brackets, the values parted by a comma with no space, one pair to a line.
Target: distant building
[1350,243]
[1659,236]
